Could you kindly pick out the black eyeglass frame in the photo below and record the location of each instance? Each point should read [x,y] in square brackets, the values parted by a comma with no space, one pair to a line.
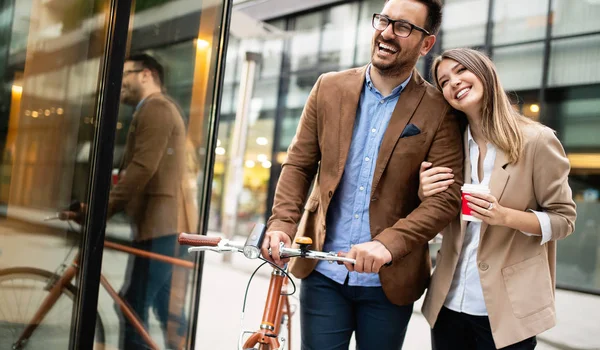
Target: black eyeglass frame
[392,21]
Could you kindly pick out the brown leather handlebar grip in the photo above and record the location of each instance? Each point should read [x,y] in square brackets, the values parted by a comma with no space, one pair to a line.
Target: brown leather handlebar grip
[198,240]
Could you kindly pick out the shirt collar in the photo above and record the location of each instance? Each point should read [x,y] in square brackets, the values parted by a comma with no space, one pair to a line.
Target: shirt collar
[469,135]
[397,90]
[472,142]
[139,105]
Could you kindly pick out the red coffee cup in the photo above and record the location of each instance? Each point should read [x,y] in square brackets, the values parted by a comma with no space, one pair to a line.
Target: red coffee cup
[466,190]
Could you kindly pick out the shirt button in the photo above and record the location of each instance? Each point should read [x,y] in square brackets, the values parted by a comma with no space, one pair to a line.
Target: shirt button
[483,266]
[373,130]
[382,101]
[367,159]
[361,188]
[356,216]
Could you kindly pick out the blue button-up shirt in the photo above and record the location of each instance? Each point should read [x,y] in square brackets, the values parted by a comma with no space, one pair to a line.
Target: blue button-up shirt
[348,213]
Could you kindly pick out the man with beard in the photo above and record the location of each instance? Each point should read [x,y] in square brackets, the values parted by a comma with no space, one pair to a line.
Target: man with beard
[150,191]
[362,137]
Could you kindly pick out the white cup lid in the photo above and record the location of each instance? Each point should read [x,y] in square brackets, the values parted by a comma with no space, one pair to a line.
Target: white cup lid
[475,188]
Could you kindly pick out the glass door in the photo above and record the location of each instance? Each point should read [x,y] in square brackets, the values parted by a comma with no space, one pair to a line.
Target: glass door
[72,157]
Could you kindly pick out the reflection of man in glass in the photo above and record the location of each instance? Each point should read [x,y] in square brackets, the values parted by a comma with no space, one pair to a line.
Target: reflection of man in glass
[149,190]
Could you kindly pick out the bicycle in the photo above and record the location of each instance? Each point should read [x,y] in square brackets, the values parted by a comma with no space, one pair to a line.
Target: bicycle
[274,331]
[27,326]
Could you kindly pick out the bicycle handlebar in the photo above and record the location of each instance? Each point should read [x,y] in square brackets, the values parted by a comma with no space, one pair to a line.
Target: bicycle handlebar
[201,243]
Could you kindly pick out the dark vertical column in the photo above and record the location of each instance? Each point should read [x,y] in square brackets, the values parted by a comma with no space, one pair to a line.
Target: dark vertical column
[6,6]
[551,122]
[489,29]
[284,85]
[107,108]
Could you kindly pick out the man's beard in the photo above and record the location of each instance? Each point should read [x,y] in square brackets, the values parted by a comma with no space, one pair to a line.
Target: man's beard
[404,61]
[130,97]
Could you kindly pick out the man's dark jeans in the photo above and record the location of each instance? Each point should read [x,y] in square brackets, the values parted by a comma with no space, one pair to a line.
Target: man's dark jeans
[148,285]
[331,312]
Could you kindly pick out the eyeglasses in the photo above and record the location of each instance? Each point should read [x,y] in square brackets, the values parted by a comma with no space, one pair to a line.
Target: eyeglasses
[400,27]
[127,72]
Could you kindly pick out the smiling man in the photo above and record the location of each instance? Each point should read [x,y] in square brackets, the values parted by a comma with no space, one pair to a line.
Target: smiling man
[362,137]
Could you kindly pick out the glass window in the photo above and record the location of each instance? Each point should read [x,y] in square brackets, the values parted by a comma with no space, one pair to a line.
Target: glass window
[575,17]
[231,62]
[339,36]
[464,23]
[577,112]
[518,21]
[520,67]
[271,59]
[365,30]
[50,74]
[299,89]
[574,61]
[158,184]
[305,42]
[578,258]
[272,55]
[256,162]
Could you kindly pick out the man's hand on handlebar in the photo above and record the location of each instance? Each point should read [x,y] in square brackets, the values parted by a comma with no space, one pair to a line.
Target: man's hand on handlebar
[76,214]
[271,241]
[370,257]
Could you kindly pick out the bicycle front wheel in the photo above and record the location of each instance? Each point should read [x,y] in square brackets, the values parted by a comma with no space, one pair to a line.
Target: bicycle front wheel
[22,291]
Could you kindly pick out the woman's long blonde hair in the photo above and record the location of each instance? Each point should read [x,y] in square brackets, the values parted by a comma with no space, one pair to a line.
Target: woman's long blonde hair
[500,123]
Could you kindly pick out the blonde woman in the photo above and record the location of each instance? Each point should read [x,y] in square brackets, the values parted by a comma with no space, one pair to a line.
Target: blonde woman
[493,285]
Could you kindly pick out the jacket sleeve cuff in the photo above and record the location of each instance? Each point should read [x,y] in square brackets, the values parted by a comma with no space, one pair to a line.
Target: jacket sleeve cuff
[392,242]
[545,225]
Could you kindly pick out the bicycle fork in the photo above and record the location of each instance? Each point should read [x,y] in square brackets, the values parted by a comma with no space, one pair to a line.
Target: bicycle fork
[268,335]
[47,304]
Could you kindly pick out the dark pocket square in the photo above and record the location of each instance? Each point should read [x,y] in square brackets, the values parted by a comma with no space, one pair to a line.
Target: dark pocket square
[410,130]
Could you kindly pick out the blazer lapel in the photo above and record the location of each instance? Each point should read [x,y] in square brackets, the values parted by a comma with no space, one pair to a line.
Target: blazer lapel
[403,112]
[349,105]
[498,180]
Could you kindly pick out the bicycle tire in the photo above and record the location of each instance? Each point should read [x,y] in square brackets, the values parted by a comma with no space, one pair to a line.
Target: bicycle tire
[46,336]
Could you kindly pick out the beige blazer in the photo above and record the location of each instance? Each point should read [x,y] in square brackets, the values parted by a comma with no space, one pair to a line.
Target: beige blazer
[397,218]
[517,273]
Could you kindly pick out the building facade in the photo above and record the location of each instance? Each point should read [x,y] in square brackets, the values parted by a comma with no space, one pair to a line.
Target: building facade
[63,131]
[547,54]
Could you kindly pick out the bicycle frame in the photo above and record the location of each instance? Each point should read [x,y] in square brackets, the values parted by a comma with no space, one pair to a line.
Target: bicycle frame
[276,306]
[69,274]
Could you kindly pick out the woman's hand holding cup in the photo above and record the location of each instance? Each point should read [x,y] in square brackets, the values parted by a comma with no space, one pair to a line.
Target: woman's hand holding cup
[485,207]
